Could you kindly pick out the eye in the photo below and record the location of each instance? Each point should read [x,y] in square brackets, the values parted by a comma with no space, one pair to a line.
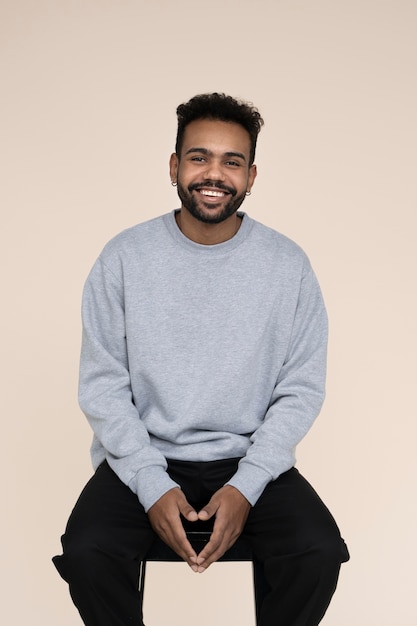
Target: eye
[233,163]
[198,159]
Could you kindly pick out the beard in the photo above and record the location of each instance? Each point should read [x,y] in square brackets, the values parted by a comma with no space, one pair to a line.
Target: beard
[195,206]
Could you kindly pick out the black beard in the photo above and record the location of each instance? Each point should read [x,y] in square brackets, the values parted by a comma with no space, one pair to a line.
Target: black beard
[189,202]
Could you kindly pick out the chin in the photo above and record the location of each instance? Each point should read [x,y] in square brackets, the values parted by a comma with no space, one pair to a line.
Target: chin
[210,216]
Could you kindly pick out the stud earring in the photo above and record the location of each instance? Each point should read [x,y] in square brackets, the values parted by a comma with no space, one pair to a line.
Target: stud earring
[173,183]
[248,193]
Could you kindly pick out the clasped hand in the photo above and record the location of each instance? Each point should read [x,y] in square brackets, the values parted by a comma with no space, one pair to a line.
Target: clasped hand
[229,508]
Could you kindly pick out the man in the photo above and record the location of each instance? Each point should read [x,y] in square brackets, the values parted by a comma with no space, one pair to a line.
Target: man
[202,367]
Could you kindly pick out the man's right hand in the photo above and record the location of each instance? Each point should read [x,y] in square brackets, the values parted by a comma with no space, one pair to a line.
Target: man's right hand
[165,519]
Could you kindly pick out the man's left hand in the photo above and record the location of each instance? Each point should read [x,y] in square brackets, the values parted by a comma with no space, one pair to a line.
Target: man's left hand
[231,510]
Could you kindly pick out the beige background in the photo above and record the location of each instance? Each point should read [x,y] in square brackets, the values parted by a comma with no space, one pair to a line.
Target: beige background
[88,96]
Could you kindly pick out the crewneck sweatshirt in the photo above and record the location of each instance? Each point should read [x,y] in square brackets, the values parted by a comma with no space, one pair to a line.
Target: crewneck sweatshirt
[199,353]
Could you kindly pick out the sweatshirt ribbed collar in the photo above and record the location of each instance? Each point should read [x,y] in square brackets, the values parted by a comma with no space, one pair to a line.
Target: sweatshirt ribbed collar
[212,250]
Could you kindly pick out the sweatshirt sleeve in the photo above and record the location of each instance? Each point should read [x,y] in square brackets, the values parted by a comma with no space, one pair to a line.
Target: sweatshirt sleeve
[297,397]
[105,394]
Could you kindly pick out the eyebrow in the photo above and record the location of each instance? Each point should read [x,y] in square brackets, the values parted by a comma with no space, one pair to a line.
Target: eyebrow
[238,155]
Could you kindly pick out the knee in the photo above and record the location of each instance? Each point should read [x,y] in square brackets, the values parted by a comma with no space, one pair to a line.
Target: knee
[81,560]
[330,550]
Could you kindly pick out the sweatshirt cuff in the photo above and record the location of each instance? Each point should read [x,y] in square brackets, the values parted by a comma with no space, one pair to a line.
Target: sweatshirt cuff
[250,481]
[150,484]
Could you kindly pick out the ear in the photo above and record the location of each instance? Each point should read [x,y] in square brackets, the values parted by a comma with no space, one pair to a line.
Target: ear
[173,167]
[251,177]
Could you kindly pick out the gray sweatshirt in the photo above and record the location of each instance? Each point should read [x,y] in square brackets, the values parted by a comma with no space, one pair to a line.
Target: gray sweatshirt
[199,353]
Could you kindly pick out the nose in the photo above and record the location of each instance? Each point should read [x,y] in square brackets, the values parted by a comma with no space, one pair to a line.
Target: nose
[214,170]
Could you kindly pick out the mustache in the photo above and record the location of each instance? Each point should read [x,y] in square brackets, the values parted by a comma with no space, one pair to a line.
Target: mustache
[212,183]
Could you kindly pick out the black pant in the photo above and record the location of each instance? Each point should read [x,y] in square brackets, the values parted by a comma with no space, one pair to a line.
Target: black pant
[290,530]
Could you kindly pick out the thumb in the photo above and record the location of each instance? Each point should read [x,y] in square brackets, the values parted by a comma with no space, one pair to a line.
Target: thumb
[188,512]
[208,511]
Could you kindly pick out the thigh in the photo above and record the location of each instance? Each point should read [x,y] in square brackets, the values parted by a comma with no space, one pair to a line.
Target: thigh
[290,518]
[109,514]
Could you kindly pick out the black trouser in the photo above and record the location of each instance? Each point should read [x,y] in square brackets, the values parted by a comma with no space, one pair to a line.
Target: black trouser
[289,529]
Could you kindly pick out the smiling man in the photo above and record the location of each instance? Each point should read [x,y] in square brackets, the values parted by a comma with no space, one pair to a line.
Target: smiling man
[202,367]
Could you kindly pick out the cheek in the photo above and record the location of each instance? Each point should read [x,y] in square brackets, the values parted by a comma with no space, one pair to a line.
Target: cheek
[187,175]
[241,182]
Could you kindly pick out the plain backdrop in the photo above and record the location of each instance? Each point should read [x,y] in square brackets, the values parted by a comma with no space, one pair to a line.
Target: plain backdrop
[88,96]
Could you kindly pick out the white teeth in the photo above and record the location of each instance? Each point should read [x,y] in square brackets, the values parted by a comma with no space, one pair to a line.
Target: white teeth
[207,192]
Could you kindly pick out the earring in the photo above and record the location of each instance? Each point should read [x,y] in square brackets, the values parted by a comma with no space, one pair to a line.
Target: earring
[248,193]
[173,183]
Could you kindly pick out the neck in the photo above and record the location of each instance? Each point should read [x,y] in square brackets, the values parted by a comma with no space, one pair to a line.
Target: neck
[204,233]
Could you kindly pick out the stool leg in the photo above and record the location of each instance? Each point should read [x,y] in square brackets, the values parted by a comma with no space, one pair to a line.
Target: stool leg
[142,573]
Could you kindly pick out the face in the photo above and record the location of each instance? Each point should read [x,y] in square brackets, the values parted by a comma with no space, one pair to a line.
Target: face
[213,171]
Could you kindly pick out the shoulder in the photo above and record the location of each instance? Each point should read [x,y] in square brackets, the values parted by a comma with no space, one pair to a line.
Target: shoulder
[132,249]
[136,240]
[276,244]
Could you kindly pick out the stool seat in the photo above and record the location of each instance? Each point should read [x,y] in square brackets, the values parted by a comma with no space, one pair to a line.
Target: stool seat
[240,551]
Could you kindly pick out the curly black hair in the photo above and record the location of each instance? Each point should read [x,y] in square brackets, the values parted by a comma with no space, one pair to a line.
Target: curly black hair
[219,106]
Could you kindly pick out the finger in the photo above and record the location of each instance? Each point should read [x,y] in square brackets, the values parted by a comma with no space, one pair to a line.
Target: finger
[210,554]
[221,540]
[208,510]
[204,514]
[188,512]
[166,521]
[175,537]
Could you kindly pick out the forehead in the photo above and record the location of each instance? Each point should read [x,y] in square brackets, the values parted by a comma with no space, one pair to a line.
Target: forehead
[217,136]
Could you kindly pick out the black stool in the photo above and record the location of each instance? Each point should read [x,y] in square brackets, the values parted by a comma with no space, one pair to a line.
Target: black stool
[240,551]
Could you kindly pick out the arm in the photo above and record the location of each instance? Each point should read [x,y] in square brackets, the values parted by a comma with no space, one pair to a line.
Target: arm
[105,393]
[295,402]
[296,398]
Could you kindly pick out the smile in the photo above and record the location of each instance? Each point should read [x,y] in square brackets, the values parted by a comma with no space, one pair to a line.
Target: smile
[212,193]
